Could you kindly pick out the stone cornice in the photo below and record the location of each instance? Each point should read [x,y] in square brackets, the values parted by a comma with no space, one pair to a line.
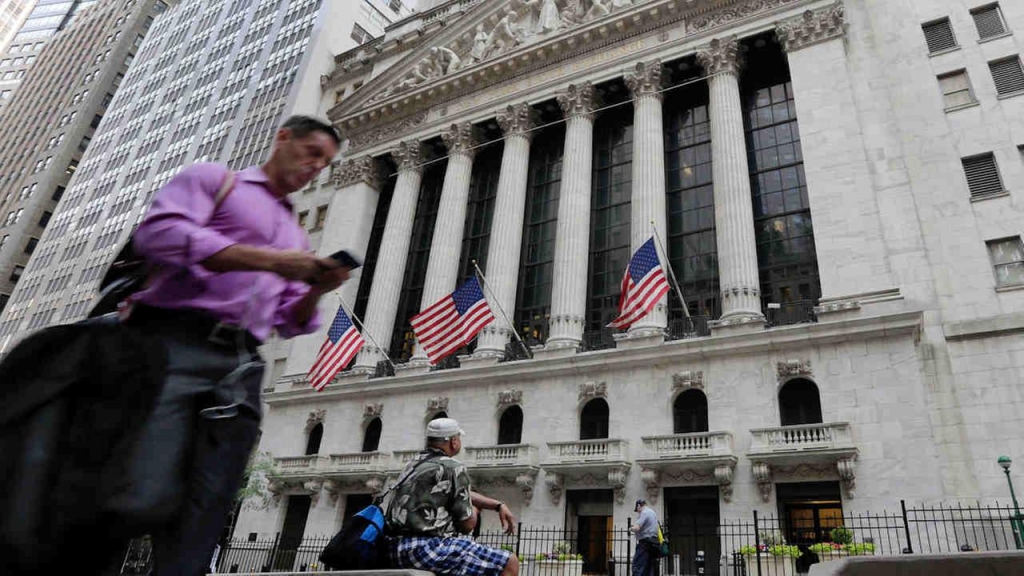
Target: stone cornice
[356,117]
[721,55]
[812,27]
[593,364]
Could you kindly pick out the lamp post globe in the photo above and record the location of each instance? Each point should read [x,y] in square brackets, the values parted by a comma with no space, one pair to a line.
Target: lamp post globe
[1005,462]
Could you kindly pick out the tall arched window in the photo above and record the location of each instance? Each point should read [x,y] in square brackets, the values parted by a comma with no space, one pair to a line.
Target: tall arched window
[799,403]
[594,420]
[690,412]
[371,438]
[316,434]
[510,426]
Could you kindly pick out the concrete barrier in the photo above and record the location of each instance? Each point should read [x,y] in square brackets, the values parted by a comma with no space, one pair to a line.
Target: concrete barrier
[964,563]
[391,572]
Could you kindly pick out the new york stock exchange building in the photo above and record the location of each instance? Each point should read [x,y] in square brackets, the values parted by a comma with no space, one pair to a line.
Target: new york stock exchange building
[836,186]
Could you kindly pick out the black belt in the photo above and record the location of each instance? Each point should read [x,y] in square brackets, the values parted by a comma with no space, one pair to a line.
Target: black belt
[193,323]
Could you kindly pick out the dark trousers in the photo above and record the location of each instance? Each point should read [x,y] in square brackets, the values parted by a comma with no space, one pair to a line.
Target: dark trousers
[645,560]
[187,468]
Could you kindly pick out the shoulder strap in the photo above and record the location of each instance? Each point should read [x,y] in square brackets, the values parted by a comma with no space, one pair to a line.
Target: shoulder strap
[225,188]
[404,477]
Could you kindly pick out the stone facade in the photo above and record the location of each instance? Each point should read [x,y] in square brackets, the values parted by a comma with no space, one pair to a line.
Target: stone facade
[915,353]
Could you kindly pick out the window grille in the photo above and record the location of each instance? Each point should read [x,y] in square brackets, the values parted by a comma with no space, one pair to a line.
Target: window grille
[982,175]
[1007,75]
[989,21]
[939,36]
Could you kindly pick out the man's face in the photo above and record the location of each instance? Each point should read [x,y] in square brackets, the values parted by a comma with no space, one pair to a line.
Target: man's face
[456,445]
[300,159]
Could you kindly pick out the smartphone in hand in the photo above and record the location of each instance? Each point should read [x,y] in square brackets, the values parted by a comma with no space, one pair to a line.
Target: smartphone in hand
[345,260]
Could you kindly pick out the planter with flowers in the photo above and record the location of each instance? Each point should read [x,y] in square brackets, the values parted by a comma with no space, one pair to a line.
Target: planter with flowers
[559,562]
[771,558]
[841,546]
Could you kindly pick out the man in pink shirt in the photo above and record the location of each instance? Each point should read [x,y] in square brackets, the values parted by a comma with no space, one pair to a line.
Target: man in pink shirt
[229,271]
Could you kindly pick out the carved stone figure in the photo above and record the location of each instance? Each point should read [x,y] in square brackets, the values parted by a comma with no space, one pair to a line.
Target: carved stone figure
[549,20]
[598,9]
[504,36]
[620,4]
[479,44]
[573,12]
[445,60]
[526,11]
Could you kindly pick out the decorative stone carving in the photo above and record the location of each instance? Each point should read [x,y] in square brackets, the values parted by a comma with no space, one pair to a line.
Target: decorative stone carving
[459,139]
[408,155]
[505,36]
[723,476]
[722,55]
[763,477]
[790,368]
[312,487]
[371,411]
[593,390]
[728,14]
[688,476]
[577,100]
[652,483]
[688,379]
[510,397]
[375,484]
[646,79]
[812,27]
[437,404]
[333,490]
[315,417]
[386,132]
[555,486]
[848,474]
[517,120]
[276,489]
[525,483]
[617,479]
[355,171]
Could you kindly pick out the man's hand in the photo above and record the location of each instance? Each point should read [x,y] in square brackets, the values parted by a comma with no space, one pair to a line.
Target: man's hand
[508,520]
[331,276]
[299,265]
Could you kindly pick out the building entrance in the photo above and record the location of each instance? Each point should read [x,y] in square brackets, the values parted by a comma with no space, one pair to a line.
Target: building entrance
[691,518]
[809,511]
[588,523]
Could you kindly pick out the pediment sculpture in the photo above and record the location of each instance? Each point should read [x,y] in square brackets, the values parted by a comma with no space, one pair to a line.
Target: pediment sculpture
[522,22]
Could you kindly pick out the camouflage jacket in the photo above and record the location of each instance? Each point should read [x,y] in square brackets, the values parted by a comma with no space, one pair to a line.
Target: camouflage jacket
[432,499]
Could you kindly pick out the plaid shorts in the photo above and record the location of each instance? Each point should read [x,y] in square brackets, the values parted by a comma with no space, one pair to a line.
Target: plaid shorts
[447,556]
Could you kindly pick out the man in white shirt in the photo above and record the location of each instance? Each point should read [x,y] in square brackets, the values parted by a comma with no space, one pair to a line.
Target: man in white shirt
[647,546]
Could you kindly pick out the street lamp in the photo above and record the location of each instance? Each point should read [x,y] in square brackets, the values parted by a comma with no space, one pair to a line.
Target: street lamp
[1017,522]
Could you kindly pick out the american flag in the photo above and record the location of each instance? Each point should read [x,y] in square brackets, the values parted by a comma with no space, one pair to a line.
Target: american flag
[342,344]
[452,321]
[642,286]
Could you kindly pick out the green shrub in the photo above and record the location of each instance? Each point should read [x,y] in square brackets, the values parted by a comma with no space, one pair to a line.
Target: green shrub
[841,535]
[783,550]
[859,549]
[824,548]
[747,550]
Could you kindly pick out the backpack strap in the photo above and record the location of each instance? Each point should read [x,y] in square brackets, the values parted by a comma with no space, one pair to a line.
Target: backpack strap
[380,499]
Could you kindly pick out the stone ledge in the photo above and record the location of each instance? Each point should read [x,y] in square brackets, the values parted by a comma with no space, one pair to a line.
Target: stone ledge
[984,327]
[989,563]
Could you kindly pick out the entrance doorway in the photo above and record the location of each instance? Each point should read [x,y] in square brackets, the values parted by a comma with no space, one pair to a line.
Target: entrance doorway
[808,512]
[691,518]
[292,531]
[588,513]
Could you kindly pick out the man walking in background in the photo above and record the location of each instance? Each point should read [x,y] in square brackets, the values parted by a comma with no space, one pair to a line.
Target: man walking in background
[645,558]
[231,265]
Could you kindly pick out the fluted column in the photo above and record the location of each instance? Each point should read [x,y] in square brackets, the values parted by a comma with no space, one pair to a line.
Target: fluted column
[569,293]
[504,249]
[446,243]
[648,194]
[734,213]
[394,251]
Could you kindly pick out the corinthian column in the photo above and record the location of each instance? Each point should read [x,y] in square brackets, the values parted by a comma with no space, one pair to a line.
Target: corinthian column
[734,213]
[503,252]
[394,251]
[446,244]
[569,293]
[648,195]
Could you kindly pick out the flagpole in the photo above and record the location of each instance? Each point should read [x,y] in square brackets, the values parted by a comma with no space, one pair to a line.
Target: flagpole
[671,272]
[515,332]
[363,330]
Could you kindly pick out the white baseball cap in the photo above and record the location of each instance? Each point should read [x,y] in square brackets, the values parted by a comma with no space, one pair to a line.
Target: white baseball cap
[444,428]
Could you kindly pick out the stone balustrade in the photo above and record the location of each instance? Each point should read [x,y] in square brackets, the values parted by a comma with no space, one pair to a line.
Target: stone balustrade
[827,436]
[588,451]
[360,461]
[504,455]
[689,445]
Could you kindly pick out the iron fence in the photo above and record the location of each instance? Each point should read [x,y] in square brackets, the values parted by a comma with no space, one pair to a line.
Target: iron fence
[758,544]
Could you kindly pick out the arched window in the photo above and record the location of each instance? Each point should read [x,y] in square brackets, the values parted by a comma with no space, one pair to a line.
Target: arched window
[594,420]
[690,412]
[371,438]
[316,434]
[510,426]
[799,403]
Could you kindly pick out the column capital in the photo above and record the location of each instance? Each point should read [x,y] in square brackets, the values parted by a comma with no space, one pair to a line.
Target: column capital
[361,170]
[517,120]
[577,100]
[812,27]
[721,55]
[459,139]
[408,155]
[646,79]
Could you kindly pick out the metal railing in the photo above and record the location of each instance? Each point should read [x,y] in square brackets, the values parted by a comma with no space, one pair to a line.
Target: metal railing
[692,327]
[755,544]
[785,314]
[602,339]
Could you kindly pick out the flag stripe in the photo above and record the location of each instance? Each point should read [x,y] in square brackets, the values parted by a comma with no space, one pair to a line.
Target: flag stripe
[638,298]
[452,322]
[342,344]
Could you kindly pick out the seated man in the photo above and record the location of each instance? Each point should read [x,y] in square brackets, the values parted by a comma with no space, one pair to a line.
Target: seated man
[434,503]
